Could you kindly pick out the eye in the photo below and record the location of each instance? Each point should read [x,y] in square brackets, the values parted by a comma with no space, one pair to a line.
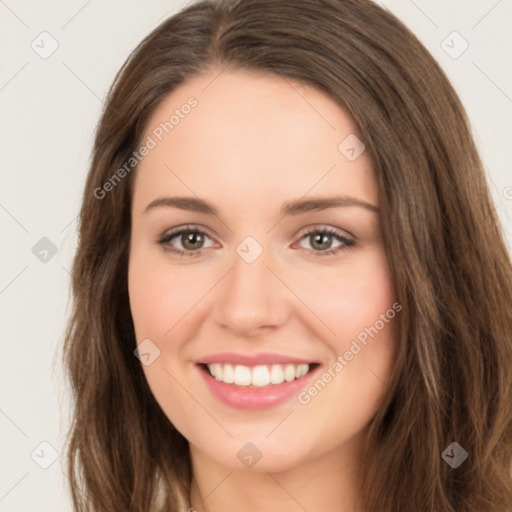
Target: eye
[321,239]
[191,238]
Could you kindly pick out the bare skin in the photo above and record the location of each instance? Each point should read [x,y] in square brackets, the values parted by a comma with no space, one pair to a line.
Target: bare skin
[252,143]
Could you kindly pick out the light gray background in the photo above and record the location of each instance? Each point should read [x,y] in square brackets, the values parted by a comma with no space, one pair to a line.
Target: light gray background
[49,109]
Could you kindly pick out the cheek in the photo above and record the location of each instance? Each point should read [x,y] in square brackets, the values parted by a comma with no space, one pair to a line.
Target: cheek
[353,296]
[358,307]
[365,326]
[159,300]
[160,294]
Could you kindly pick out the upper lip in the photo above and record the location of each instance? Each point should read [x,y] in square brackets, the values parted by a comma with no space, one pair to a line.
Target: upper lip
[262,358]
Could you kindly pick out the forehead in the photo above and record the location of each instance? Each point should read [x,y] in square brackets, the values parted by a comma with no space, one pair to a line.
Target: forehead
[250,137]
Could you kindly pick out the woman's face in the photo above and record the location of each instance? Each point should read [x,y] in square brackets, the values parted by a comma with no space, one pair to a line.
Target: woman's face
[229,327]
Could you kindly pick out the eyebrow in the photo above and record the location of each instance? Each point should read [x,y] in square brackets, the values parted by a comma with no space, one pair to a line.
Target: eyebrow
[295,207]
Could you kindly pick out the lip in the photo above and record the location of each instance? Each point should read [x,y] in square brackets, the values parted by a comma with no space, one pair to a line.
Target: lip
[254,399]
[260,358]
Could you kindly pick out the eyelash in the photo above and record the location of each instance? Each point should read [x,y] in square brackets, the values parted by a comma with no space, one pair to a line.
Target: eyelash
[166,238]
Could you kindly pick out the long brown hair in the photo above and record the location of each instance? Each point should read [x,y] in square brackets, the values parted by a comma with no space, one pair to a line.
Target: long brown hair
[452,381]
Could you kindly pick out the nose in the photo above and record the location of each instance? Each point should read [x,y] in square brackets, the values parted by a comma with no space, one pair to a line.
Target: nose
[251,299]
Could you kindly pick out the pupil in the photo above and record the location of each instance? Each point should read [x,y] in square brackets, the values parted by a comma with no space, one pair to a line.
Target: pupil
[191,239]
[321,239]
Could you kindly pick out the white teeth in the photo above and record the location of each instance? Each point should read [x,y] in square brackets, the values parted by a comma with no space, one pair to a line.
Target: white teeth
[276,374]
[260,376]
[304,368]
[228,374]
[257,376]
[289,373]
[242,375]
[301,370]
[216,370]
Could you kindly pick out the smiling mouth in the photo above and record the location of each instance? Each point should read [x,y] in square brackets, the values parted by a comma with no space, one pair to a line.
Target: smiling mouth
[258,376]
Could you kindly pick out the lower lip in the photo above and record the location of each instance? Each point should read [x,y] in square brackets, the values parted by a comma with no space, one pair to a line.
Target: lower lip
[255,398]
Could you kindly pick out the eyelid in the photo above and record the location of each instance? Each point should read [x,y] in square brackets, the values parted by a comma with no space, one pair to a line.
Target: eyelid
[187,227]
[326,227]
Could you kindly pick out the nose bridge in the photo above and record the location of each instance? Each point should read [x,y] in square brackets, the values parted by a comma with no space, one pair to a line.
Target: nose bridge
[251,296]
